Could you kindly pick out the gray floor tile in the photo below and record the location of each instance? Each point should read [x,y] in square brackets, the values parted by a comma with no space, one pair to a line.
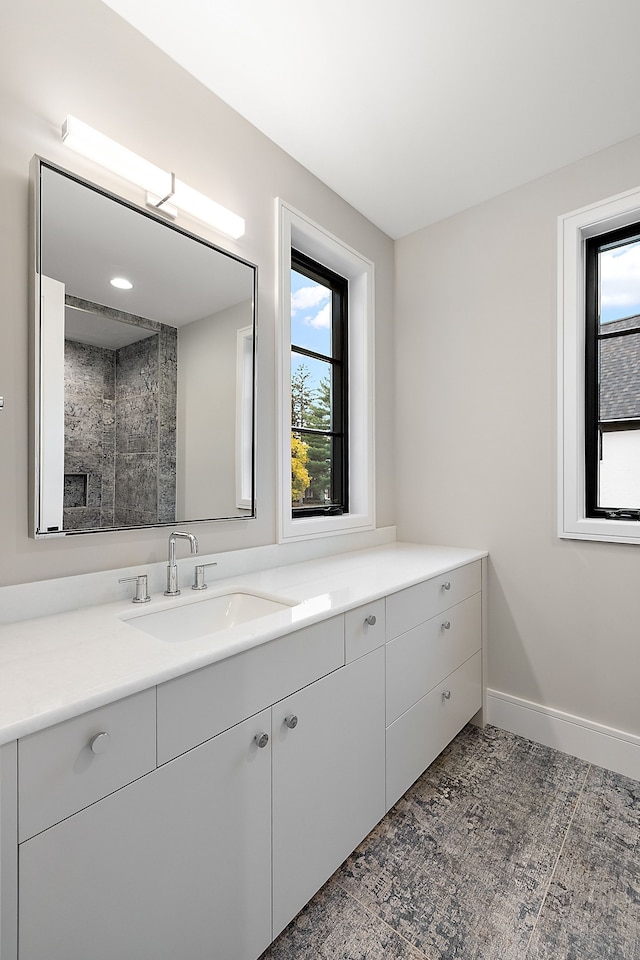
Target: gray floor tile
[334,927]
[461,865]
[503,850]
[592,911]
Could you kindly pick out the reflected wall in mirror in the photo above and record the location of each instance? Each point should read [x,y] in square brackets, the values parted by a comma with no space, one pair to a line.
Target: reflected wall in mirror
[145,367]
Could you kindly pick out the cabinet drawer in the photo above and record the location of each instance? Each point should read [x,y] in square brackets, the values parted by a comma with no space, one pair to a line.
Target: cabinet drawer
[422,657]
[416,738]
[65,768]
[196,707]
[361,636]
[416,604]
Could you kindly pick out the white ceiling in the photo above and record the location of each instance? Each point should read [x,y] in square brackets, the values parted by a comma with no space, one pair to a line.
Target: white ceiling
[413,110]
[87,238]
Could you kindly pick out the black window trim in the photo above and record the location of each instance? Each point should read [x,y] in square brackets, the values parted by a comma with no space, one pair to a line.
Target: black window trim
[593,335]
[339,432]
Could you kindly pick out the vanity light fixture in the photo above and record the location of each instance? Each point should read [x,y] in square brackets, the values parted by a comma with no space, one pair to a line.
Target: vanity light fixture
[121,283]
[165,193]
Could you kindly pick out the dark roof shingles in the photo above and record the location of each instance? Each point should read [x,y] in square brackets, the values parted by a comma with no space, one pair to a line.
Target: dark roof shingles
[620,373]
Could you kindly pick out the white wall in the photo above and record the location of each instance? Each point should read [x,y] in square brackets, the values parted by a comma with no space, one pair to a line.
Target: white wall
[207,384]
[78,57]
[476,374]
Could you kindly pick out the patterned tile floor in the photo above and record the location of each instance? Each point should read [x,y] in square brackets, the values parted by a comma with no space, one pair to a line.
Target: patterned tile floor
[502,850]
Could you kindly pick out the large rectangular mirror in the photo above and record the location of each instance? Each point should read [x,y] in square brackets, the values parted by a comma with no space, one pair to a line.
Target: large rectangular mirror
[144,361]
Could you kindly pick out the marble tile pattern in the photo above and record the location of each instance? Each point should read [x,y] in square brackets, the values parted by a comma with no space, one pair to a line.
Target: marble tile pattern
[136,474]
[503,850]
[146,397]
[89,435]
[120,431]
[167,423]
[75,489]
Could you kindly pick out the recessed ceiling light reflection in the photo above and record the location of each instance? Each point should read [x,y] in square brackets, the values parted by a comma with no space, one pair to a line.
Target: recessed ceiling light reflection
[121,283]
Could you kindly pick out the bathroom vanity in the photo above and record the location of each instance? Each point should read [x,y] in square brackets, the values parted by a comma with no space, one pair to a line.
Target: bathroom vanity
[192,808]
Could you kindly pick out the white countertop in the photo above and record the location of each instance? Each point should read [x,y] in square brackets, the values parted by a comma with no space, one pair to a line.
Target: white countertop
[56,667]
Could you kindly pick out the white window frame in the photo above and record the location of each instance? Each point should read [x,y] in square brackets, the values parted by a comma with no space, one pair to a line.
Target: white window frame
[573,230]
[244,418]
[300,232]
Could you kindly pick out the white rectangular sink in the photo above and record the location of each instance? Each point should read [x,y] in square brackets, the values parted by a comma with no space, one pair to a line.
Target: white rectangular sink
[189,621]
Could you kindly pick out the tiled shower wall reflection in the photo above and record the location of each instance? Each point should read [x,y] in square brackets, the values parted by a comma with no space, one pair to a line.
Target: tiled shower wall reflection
[89,436]
[120,432]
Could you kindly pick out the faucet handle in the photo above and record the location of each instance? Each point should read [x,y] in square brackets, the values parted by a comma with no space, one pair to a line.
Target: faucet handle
[199,582]
[140,581]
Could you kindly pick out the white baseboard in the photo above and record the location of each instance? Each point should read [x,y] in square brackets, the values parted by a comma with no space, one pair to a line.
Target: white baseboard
[604,746]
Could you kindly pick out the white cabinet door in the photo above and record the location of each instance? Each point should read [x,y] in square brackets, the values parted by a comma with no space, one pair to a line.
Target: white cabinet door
[328,779]
[177,864]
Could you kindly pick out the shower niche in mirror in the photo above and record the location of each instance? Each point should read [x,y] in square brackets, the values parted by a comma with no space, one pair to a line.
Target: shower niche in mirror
[144,367]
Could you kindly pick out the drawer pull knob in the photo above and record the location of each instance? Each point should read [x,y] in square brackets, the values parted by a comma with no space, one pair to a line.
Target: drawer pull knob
[370,620]
[446,585]
[291,721]
[262,739]
[447,625]
[100,743]
[446,695]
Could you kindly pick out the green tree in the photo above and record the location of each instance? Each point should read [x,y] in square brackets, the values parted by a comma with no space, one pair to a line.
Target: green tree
[311,408]
[319,448]
[302,396]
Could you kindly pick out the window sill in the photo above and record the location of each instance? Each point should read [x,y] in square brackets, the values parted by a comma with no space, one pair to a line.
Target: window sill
[308,528]
[610,531]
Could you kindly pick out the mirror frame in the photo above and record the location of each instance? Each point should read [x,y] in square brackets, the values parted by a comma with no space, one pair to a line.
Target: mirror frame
[36,354]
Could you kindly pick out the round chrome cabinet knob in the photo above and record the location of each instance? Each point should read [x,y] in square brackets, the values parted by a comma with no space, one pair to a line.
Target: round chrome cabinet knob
[291,721]
[446,695]
[100,743]
[370,620]
[446,585]
[262,739]
[446,625]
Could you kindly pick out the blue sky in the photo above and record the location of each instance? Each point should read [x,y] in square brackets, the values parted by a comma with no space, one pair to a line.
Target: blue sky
[310,322]
[620,283]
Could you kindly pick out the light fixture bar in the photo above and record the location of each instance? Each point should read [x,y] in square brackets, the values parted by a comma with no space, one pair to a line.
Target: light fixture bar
[125,163]
[161,185]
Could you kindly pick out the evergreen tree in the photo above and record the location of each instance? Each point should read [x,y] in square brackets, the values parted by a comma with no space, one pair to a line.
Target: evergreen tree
[311,456]
[302,396]
[319,448]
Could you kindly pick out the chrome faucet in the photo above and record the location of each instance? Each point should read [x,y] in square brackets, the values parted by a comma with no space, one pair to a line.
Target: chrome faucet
[172,570]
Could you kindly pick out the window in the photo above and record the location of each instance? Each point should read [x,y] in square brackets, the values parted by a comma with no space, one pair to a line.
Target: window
[612,374]
[325,382]
[319,389]
[599,371]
